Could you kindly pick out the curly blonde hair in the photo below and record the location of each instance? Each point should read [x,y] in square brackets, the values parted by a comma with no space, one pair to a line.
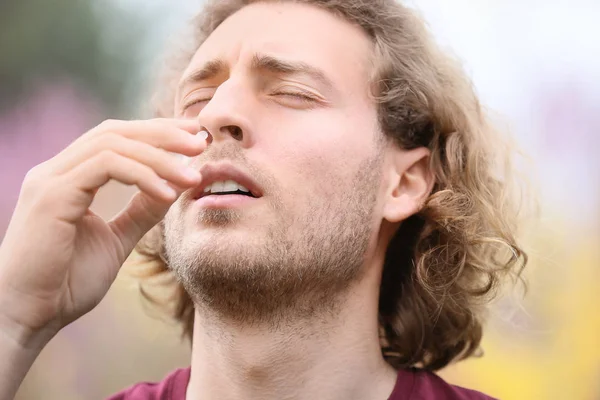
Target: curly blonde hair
[445,263]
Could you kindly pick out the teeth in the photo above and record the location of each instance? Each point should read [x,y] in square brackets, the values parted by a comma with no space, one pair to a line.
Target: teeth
[225,186]
[230,186]
[218,187]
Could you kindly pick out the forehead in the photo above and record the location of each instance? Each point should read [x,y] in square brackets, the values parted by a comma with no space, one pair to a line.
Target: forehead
[293,31]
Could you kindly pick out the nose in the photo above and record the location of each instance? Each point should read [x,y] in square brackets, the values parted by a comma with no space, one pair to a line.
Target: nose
[226,115]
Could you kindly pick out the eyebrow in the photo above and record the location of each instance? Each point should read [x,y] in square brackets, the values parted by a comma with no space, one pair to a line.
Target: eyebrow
[260,62]
[208,71]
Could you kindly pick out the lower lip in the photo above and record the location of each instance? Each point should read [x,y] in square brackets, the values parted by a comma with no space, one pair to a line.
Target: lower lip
[225,201]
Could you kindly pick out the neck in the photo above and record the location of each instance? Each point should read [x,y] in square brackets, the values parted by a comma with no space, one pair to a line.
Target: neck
[328,357]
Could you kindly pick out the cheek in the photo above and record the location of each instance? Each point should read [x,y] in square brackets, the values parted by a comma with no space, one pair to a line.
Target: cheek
[317,154]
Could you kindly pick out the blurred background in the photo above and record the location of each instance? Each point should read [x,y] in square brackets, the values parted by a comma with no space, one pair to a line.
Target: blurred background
[66,65]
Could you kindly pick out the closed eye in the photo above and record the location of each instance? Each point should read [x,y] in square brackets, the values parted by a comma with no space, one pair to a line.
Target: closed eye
[193,104]
[295,96]
[298,98]
[301,96]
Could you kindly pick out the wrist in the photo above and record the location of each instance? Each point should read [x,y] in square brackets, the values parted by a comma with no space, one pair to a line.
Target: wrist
[18,351]
[13,309]
[19,344]
[13,330]
[22,338]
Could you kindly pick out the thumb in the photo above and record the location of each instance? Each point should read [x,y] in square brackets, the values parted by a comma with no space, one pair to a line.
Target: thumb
[141,214]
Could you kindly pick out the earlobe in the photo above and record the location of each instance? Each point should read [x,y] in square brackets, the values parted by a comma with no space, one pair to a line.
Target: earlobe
[411,183]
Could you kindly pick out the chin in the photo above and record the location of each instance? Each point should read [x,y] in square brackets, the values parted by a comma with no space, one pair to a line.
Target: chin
[218,218]
[224,238]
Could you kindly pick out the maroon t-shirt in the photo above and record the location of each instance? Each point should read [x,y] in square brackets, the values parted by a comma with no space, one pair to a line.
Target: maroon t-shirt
[410,385]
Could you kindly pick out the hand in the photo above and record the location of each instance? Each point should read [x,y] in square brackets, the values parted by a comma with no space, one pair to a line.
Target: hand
[58,259]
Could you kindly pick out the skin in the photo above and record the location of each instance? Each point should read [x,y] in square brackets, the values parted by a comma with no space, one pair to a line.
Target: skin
[58,260]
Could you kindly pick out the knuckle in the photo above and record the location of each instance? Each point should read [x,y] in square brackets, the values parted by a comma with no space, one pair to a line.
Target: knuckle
[108,125]
[147,174]
[146,170]
[34,174]
[106,157]
[35,182]
[161,121]
[37,174]
[108,141]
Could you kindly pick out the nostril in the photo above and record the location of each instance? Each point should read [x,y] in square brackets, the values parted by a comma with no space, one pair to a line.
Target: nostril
[236,132]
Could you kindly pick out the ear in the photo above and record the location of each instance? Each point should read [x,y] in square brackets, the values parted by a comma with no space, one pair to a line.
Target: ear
[411,181]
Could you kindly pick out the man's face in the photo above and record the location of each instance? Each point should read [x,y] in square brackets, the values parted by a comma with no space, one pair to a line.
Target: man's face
[284,94]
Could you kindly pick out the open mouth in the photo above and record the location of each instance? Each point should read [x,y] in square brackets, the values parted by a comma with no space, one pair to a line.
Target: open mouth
[224,188]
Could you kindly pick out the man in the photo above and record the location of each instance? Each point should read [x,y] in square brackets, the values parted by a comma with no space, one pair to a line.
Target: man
[336,229]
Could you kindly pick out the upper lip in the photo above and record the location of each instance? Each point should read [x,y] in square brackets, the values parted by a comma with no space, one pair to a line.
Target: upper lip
[212,173]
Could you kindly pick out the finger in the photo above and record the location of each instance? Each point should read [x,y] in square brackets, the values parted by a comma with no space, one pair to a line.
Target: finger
[108,165]
[166,165]
[110,141]
[191,125]
[141,214]
[176,135]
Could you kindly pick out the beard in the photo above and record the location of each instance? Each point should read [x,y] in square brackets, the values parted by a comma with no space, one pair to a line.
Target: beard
[297,266]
